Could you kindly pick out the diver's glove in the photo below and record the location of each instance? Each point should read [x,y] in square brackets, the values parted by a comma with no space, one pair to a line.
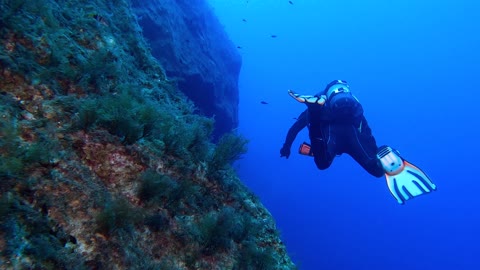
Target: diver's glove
[308,98]
[285,151]
[404,180]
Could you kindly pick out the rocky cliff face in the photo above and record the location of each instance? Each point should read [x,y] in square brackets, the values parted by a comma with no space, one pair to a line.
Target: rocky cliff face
[104,163]
[193,48]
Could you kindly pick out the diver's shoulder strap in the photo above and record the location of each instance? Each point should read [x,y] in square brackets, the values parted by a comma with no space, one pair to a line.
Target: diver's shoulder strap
[308,98]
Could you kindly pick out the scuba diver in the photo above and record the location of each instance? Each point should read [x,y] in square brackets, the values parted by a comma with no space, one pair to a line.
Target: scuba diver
[337,125]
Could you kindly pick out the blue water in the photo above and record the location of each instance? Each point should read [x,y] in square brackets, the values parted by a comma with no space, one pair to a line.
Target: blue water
[414,65]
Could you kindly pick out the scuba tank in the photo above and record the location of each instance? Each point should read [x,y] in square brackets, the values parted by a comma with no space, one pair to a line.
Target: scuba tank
[343,105]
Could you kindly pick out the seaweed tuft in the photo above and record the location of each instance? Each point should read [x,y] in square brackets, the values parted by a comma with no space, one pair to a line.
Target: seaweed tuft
[230,148]
[117,216]
[156,187]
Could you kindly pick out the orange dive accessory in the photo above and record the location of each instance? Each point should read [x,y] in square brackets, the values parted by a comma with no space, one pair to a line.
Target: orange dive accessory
[305,149]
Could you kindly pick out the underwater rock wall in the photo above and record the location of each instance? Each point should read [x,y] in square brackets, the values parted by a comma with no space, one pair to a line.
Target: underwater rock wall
[104,163]
[193,48]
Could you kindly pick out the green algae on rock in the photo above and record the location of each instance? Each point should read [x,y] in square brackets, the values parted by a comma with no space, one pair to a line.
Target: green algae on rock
[90,126]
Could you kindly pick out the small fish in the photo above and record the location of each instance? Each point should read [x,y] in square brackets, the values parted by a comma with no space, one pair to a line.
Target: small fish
[273,36]
[239,47]
[263,102]
[295,118]
[291,3]
[244,20]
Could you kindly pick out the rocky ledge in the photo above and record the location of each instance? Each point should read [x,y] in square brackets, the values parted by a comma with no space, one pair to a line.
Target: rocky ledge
[104,163]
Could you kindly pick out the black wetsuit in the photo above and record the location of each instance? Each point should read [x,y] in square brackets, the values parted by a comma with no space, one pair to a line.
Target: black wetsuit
[331,135]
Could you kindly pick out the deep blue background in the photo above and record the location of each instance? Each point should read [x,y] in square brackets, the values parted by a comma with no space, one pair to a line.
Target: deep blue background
[414,65]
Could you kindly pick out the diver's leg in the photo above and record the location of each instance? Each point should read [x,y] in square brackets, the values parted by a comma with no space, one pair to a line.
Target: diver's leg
[363,148]
[323,148]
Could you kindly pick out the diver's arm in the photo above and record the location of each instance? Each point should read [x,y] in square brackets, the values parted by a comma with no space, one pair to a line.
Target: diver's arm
[300,124]
[292,134]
